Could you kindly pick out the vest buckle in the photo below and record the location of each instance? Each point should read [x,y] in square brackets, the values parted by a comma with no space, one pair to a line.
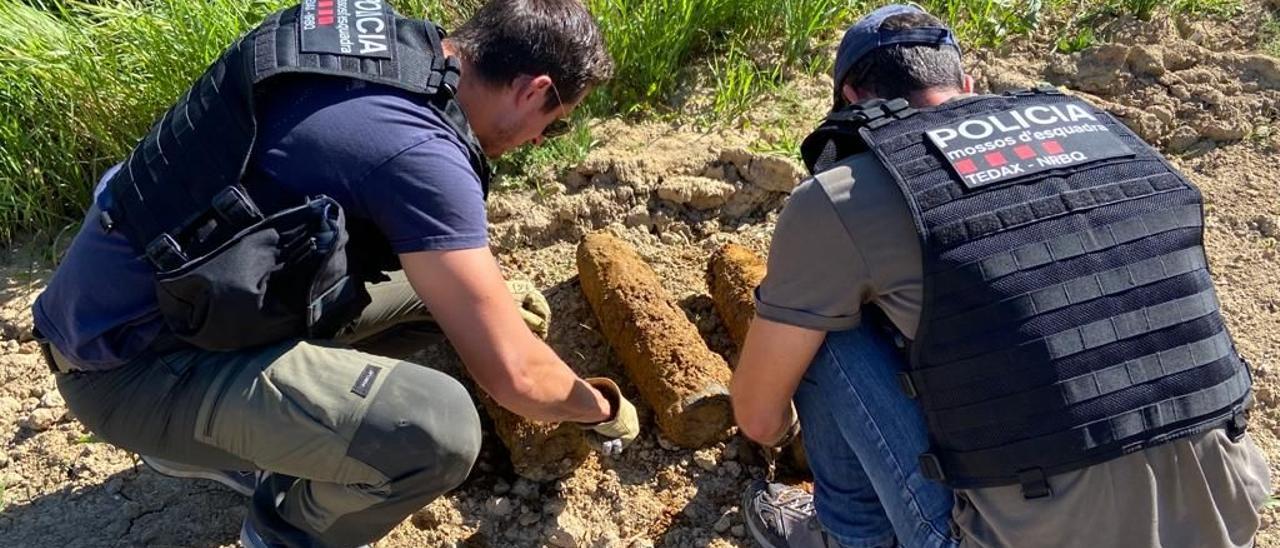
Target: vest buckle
[165,253]
[1237,426]
[1034,484]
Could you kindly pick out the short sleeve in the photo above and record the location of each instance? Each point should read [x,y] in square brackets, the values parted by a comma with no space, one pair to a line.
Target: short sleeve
[426,198]
[816,276]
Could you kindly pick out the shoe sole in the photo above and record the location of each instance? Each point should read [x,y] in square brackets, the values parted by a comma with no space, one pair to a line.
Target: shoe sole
[759,537]
[195,474]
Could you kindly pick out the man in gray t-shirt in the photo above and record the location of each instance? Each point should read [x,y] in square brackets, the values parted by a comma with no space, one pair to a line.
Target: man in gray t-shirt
[820,357]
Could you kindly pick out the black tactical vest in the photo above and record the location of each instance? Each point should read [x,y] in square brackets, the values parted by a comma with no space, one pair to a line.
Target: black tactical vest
[236,268]
[1068,314]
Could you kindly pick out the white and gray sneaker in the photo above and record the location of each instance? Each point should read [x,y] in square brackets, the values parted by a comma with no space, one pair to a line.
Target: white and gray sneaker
[240,481]
[780,516]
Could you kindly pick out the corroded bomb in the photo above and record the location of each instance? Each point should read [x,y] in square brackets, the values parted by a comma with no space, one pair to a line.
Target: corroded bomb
[684,382]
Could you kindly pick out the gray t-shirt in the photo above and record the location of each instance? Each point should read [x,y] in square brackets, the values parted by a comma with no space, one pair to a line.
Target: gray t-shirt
[846,238]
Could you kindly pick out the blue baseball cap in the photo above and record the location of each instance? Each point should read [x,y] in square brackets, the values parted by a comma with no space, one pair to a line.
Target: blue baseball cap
[866,36]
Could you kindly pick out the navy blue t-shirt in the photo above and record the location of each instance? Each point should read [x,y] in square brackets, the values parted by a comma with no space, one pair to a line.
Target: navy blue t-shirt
[378,151]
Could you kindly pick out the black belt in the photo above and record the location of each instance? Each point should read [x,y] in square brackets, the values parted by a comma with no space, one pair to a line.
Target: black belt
[165,343]
[47,352]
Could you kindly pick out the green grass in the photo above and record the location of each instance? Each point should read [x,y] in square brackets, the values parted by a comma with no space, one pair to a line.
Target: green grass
[1271,36]
[81,80]
[1078,40]
[987,23]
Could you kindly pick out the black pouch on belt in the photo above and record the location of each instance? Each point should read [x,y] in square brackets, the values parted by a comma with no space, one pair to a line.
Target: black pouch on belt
[282,277]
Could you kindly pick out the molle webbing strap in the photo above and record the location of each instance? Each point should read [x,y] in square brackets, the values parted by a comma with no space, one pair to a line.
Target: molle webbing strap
[1067,246]
[1057,205]
[154,189]
[1069,342]
[1079,290]
[838,138]
[1100,382]
[1102,439]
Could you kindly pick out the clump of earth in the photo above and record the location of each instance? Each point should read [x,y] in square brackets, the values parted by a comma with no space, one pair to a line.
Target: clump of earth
[677,194]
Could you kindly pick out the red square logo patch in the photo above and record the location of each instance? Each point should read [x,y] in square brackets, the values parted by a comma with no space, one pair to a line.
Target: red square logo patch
[995,159]
[1052,147]
[965,166]
[1024,152]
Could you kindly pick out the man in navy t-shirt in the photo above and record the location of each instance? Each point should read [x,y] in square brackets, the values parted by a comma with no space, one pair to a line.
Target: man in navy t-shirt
[342,445]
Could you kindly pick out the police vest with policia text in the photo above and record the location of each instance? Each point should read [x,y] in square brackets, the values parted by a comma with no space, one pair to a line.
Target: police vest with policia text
[238,266]
[1068,315]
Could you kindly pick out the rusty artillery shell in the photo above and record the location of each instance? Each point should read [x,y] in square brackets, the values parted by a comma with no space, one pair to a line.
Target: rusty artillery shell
[540,451]
[684,382]
[732,275]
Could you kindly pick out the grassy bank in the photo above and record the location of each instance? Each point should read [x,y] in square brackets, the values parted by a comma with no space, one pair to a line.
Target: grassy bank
[80,81]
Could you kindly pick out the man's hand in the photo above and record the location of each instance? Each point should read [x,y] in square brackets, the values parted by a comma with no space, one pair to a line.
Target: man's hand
[534,309]
[773,360]
[623,425]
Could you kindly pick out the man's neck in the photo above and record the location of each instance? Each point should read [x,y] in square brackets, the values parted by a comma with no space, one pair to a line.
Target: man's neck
[472,91]
[934,97]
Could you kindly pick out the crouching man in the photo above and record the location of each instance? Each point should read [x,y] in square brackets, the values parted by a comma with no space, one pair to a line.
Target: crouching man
[202,315]
[996,321]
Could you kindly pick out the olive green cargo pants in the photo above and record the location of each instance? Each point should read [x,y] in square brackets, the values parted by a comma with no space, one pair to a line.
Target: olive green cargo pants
[357,442]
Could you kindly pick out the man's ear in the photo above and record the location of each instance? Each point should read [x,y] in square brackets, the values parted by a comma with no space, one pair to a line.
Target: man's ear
[532,88]
[966,84]
[851,95]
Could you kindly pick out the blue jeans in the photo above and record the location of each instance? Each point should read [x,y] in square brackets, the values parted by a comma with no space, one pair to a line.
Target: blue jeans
[863,437]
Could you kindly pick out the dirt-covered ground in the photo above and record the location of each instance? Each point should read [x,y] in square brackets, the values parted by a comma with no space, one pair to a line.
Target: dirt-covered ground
[1198,90]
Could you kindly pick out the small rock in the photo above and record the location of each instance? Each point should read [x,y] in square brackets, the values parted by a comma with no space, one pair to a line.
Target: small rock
[10,479]
[638,216]
[641,543]
[501,488]
[732,469]
[4,460]
[524,489]
[738,531]
[1267,225]
[1182,139]
[41,420]
[608,539]
[9,406]
[664,443]
[1147,60]
[722,524]
[705,459]
[499,506]
[52,399]
[529,518]
[1099,69]
[731,450]
[775,173]
[696,192]
[560,537]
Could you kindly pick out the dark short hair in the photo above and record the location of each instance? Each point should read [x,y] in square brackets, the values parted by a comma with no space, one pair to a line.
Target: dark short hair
[897,71]
[505,39]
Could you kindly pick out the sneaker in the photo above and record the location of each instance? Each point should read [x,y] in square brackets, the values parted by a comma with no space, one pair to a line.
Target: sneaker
[243,482]
[780,516]
[249,538]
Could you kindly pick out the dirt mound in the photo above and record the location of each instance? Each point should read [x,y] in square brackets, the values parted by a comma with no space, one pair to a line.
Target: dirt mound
[1164,79]
[680,186]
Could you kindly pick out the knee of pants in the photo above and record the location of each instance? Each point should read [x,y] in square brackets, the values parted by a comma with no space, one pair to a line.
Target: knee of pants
[422,424]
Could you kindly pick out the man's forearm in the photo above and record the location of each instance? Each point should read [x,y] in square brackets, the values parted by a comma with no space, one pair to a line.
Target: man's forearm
[545,389]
